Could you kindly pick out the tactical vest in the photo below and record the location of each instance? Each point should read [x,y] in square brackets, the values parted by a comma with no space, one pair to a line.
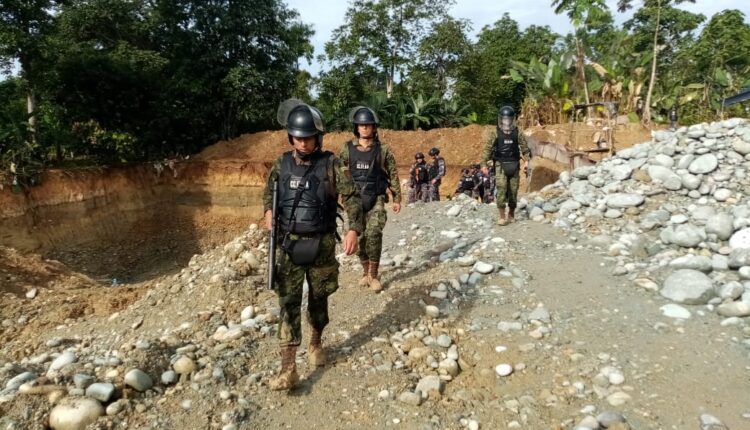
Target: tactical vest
[467,183]
[435,168]
[506,146]
[316,208]
[366,170]
[420,174]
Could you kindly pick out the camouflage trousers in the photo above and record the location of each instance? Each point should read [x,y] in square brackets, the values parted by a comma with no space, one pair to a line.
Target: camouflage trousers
[371,239]
[506,189]
[323,280]
[419,192]
[434,192]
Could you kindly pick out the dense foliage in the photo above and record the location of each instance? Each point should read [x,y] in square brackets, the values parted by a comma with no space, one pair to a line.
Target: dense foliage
[109,81]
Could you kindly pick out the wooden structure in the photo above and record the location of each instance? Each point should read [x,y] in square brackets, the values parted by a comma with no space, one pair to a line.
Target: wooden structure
[592,133]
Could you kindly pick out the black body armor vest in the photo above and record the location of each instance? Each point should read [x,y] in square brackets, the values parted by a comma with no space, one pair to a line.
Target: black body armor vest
[506,146]
[316,208]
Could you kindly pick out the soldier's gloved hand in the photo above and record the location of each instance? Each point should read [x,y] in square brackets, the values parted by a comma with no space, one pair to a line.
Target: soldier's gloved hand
[350,242]
[397,207]
[269,220]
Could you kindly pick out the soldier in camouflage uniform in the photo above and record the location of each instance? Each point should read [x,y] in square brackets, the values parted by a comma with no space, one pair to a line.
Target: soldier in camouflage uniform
[373,168]
[310,181]
[507,151]
[437,173]
[419,179]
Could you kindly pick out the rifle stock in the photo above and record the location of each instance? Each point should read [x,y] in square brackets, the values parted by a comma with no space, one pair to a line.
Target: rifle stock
[273,235]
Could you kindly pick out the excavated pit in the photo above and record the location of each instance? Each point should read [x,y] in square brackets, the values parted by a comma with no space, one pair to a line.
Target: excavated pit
[132,223]
[135,223]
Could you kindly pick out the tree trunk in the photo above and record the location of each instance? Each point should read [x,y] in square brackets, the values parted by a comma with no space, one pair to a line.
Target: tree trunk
[581,65]
[582,69]
[31,110]
[647,105]
[389,82]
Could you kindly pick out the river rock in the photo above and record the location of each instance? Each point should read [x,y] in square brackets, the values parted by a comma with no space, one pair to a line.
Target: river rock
[690,182]
[624,200]
[721,224]
[663,174]
[675,311]
[734,309]
[739,257]
[741,146]
[740,239]
[101,391]
[19,380]
[689,287]
[414,399]
[64,359]
[184,365]
[483,268]
[138,380]
[695,262]
[503,369]
[706,163]
[431,386]
[685,235]
[75,414]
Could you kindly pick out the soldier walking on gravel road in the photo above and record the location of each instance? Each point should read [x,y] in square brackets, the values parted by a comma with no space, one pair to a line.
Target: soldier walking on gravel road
[373,168]
[310,181]
[507,151]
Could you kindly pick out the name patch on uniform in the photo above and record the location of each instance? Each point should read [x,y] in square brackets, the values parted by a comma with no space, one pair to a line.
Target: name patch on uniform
[508,141]
[295,182]
[362,165]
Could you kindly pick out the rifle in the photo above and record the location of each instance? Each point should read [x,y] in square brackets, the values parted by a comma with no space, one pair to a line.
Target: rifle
[273,236]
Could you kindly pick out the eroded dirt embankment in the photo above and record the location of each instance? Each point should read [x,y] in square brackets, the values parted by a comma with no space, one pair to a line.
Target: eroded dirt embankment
[131,223]
[125,222]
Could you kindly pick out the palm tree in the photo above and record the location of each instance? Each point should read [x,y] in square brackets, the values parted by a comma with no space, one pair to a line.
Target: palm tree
[582,13]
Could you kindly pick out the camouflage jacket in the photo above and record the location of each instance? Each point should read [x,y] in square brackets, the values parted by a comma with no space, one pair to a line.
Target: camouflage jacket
[489,147]
[388,165]
[345,187]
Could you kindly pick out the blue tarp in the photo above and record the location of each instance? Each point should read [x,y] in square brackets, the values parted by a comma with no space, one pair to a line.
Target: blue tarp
[741,97]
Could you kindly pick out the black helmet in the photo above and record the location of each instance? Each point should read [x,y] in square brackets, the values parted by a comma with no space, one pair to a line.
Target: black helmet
[302,122]
[506,118]
[506,111]
[433,152]
[364,115]
[418,156]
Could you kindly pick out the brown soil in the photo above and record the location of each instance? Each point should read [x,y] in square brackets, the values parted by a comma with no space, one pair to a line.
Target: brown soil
[62,296]
[81,229]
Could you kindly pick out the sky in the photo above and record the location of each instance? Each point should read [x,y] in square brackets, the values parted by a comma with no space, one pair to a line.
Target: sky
[482,13]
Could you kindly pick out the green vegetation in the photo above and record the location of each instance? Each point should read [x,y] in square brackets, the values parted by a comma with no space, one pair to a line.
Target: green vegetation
[113,81]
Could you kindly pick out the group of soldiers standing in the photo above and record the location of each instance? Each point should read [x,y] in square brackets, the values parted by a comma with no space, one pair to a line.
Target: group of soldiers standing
[425,179]
[301,201]
[477,183]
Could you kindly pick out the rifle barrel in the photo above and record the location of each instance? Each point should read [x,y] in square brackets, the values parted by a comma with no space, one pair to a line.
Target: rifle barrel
[272,236]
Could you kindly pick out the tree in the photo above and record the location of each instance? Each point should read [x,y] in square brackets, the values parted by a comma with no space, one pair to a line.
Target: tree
[668,26]
[25,26]
[482,72]
[583,14]
[442,48]
[172,76]
[383,33]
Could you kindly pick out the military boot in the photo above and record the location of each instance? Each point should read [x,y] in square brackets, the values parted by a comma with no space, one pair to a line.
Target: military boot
[365,281]
[501,220]
[288,376]
[375,284]
[511,213]
[315,353]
